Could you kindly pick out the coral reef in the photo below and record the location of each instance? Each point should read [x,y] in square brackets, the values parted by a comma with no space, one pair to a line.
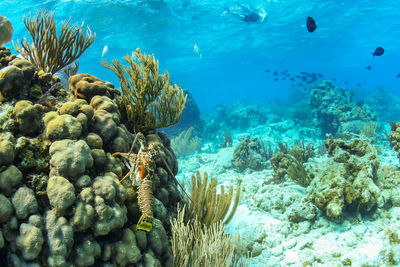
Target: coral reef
[61,200]
[347,179]
[237,116]
[250,154]
[335,110]
[291,162]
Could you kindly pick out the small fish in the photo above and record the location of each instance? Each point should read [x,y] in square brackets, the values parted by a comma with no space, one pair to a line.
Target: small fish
[333,79]
[105,51]
[378,51]
[197,50]
[331,99]
[292,79]
[276,79]
[358,84]
[323,105]
[398,75]
[267,70]
[311,26]
[284,78]
[368,67]
[346,82]
[300,84]
[275,73]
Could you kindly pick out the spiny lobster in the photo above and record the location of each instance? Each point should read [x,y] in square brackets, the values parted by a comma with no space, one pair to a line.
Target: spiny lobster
[142,166]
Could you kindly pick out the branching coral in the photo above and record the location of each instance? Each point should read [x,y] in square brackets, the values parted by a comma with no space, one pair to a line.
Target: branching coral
[185,144]
[194,244]
[208,206]
[48,52]
[148,97]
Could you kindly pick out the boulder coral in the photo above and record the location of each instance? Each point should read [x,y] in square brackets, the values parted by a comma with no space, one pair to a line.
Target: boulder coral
[61,199]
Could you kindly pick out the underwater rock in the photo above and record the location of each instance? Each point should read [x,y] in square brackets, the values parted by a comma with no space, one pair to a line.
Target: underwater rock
[126,251]
[60,127]
[5,56]
[6,30]
[158,238]
[27,67]
[60,239]
[24,202]
[334,107]
[12,81]
[104,125]
[61,194]
[190,118]
[347,181]
[109,188]
[30,241]
[6,209]
[69,158]
[66,169]
[109,217]
[86,86]
[84,212]
[7,152]
[26,117]
[249,154]
[94,141]
[86,252]
[10,178]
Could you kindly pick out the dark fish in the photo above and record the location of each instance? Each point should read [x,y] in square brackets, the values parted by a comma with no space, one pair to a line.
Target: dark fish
[333,79]
[276,80]
[300,84]
[267,70]
[398,75]
[331,99]
[320,75]
[311,26]
[358,84]
[346,82]
[368,67]
[275,73]
[284,78]
[292,79]
[378,51]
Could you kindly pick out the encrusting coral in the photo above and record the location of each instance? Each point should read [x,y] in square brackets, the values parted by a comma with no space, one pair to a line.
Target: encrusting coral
[150,101]
[48,52]
[348,179]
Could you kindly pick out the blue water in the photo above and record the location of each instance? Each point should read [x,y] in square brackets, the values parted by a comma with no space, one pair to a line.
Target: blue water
[235,54]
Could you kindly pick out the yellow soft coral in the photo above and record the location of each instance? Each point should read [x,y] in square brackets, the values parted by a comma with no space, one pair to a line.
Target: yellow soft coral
[148,97]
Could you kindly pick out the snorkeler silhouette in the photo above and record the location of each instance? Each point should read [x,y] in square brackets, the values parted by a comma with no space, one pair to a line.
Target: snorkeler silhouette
[247,14]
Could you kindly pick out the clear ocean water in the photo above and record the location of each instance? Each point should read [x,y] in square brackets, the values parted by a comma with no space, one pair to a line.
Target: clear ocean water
[296,119]
[235,54]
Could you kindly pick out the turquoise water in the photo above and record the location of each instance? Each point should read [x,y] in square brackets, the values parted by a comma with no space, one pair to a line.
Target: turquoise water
[236,54]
